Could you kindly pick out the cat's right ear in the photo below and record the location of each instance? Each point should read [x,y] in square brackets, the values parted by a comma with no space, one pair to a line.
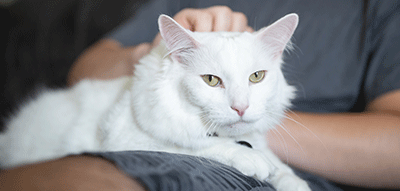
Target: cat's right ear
[276,37]
[178,40]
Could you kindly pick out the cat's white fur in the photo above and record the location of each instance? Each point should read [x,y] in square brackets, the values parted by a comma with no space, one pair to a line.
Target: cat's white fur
[166,105]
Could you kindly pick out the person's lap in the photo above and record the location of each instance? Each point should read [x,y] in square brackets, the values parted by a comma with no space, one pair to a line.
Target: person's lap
[166,171]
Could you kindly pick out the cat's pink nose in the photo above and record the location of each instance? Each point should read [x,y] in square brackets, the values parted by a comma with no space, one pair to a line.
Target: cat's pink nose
[240,109]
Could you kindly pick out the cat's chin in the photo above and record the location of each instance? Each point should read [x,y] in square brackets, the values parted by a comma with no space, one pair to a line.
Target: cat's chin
[236,128]
[239,124]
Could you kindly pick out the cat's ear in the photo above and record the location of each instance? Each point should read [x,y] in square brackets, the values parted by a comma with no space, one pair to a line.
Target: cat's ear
[276,37]
[178,40]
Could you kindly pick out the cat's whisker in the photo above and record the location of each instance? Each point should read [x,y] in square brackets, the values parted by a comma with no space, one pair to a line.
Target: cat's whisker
[214,126]
[209,126]
[298,123]
[294,139]
[208,123]
[274,117]
[302,125]
[281,139]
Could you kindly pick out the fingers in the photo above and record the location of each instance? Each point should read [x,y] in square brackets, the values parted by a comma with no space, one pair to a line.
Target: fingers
[249,29]
[217,18]
[240,23]
[200,22]
[195,19]
[223,18]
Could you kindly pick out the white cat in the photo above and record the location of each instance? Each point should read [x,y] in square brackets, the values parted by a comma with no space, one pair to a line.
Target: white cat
[196,93]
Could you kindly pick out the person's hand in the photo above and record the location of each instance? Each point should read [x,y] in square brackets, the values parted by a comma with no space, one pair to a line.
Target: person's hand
[70,173]
[212,19]
[108,59]
[217,18]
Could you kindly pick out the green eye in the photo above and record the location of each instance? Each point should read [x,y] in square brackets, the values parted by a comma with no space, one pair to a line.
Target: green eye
[211,80]
[257,76]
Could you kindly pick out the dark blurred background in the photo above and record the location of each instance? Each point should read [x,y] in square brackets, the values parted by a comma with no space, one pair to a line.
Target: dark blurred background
[40,39]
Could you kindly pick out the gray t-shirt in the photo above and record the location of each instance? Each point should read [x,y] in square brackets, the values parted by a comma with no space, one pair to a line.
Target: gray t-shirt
[347,53]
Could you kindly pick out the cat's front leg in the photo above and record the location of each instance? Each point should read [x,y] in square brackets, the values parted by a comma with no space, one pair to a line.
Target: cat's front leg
[248,161]
[284,179]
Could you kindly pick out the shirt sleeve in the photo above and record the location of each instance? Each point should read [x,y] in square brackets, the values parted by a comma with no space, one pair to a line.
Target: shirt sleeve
[143,26]
[383,47]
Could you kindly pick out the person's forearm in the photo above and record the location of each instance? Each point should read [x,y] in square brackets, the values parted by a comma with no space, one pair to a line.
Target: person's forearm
[359,149]
[106,59]
[69,173]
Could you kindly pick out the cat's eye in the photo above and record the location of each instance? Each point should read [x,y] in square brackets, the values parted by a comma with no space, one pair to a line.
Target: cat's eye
[257,76]
[211,80]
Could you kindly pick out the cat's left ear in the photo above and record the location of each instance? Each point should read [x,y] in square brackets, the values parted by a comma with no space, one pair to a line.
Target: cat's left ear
[178,40]
[276,37]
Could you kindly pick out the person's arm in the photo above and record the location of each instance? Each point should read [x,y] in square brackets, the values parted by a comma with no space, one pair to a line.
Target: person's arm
[361,149]
[106,59]
[109,59]
[70,173]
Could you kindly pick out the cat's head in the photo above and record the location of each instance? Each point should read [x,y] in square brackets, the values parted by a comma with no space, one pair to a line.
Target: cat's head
[234,78]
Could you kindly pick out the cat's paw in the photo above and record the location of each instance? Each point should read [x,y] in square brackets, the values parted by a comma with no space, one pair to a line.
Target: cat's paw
[253,163]
[289,182]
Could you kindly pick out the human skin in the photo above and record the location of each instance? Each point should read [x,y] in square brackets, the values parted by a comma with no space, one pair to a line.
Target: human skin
[360,149]
[78,173]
